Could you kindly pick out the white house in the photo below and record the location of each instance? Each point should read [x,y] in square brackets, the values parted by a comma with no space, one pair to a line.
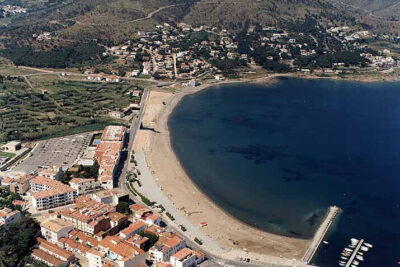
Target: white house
[184,258]
[54,229]
[8,216]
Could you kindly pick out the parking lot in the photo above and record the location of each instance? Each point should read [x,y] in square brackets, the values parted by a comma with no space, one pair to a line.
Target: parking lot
[58,151]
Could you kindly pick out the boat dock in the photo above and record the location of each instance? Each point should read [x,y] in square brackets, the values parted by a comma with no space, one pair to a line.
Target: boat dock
[354,253]
[320,234]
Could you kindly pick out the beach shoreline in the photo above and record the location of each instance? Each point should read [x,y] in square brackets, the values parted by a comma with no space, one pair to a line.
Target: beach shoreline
[180,189]
[222,227]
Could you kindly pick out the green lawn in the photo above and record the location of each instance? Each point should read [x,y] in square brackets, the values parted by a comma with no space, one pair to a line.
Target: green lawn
[7,154]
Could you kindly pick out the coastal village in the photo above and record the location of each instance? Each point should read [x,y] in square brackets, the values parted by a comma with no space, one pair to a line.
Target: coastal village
[90,210]
[184,52]
[90,222]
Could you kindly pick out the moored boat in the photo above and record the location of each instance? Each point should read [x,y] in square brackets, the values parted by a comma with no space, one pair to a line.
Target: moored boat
[368,245]
[364,248]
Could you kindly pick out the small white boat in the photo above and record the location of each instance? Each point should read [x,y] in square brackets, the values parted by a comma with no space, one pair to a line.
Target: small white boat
[344,258]
[364,248]
[348,249]
[360,258]
[342,264]
[356,262]
[368,245]
[354,240]
[325,242]
[360,253]
[352,246]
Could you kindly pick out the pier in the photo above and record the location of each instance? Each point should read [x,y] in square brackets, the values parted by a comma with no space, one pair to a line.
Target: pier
[320,234]
[354,253]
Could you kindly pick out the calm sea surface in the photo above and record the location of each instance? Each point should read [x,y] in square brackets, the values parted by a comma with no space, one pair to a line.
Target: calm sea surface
[277,156]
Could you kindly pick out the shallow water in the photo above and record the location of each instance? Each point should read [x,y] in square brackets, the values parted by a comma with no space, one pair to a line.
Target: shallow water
[277,156]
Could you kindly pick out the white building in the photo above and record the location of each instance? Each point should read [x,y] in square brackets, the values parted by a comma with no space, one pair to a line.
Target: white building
[167,245]
[133,229]
[48,193]
[184,258]
[8,216]
[121,252]
[112,197]
[95,258]
[51,172]
[85,186]
[54,229]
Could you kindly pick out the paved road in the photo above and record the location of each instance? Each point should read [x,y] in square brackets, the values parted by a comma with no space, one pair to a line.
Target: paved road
[135,125]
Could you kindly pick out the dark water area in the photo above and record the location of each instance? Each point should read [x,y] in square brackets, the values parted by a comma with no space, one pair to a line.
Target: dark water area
[277,156]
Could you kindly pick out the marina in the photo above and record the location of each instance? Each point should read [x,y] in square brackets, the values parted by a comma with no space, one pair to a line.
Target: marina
[353,257]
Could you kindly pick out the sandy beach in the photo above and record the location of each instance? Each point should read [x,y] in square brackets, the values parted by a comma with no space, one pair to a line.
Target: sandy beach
[182,192]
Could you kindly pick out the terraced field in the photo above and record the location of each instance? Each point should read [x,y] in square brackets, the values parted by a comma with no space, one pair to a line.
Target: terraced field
[62,107]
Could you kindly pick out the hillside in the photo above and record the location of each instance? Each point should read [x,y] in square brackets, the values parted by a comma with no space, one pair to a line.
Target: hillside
[375,15]
[387,9]
[115,21]
[233,13]
[85,19]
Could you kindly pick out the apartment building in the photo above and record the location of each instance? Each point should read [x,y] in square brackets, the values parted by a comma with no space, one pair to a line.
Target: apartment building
[48,193]
[108,153]
[89,215]
[85,186]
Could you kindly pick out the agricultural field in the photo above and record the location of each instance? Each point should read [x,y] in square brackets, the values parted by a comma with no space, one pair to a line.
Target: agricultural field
[380,45]
[57,106]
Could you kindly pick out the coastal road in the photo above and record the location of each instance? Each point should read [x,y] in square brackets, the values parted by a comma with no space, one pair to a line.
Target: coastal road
[133,129]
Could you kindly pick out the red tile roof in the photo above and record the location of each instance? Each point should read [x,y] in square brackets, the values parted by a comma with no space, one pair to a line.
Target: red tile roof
[182,254]
[44,256]
[60,252]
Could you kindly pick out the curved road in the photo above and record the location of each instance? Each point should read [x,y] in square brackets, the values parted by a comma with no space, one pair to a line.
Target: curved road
[149,16]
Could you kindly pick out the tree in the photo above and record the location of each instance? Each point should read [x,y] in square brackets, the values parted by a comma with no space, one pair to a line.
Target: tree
[276,66]
[123,207]
[153,238]
[17,239]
